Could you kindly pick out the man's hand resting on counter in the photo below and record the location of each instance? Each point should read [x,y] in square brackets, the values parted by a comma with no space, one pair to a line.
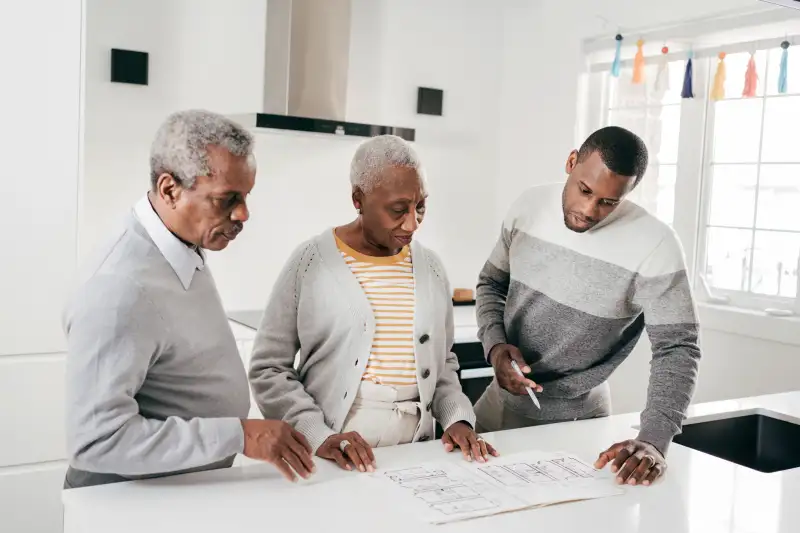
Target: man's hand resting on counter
[473,446]
[634,462]
[346,449]
[276,442]
[500,358]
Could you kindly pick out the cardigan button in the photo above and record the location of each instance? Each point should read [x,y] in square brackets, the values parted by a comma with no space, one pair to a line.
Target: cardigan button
[426,373]
[425,338]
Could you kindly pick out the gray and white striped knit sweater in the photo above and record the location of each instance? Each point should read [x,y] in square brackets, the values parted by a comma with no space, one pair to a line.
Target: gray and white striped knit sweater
[576,304]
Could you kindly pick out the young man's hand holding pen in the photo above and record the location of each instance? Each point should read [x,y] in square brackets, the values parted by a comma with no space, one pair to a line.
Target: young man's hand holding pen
[500,358]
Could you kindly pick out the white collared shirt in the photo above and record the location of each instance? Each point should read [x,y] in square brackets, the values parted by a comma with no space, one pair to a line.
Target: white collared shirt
[183,259]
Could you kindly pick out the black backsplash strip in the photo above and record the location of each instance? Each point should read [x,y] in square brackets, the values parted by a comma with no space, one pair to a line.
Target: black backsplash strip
[316,125]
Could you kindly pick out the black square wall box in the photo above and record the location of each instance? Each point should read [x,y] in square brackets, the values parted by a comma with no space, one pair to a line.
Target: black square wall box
[128,66]
[429,101]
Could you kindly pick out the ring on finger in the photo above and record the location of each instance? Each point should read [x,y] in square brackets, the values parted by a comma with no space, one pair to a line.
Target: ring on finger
[343,444]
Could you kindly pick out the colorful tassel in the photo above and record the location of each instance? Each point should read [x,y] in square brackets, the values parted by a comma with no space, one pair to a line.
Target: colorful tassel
[718,89]
[617,59]
[662,77]
[638,63]
[750,78]
[687,92]
[783,85]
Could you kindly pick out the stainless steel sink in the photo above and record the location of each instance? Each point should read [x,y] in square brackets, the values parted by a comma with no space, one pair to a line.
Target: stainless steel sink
[754,439]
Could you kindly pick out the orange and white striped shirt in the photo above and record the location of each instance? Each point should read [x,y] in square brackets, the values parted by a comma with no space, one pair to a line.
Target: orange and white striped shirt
[389,285]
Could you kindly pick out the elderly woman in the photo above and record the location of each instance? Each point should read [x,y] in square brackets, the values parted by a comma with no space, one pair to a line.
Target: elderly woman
[370,312]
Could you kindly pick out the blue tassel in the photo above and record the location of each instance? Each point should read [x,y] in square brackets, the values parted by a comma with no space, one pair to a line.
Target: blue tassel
[687,92]
[783,86]
[616,64]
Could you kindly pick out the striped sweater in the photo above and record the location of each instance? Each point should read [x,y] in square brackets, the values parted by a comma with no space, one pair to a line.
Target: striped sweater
[388,283]
[576,304]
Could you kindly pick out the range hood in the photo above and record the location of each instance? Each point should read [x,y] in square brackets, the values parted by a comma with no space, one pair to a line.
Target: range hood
[307,51]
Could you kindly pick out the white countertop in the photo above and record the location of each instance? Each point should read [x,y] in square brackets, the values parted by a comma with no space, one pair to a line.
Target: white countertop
[700,493]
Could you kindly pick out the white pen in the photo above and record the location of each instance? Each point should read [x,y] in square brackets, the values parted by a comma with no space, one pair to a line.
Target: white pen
[530,392]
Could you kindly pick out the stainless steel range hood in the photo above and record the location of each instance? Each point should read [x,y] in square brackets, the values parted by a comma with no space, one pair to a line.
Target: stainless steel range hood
[307,58]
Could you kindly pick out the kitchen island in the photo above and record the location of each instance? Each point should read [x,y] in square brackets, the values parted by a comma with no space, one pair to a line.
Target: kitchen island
[699,494]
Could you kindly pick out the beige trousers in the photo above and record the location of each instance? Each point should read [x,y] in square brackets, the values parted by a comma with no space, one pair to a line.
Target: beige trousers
[384,415]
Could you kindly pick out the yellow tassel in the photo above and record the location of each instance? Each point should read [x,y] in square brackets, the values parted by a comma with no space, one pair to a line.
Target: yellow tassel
[718,90]
[638,63]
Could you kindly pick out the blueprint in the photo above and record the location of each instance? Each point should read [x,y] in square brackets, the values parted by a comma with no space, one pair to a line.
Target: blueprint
[450,491]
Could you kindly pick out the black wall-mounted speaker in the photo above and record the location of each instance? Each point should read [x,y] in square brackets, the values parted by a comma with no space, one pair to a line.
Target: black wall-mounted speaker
[429,101]
[128,66]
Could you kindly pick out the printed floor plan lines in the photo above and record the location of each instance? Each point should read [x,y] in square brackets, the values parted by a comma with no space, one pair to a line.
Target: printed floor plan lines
[546,471]
[448,491]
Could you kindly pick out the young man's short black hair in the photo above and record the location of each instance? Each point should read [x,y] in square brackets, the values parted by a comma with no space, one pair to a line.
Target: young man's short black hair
[622,151]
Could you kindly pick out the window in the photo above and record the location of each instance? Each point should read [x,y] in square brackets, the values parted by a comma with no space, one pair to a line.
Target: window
[750,237]
[731,167]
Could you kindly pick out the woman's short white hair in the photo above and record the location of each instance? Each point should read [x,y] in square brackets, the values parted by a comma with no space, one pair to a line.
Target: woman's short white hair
[180,147]
[376,154]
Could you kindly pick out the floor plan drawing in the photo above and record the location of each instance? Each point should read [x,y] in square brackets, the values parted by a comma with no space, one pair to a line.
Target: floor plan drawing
[449,491]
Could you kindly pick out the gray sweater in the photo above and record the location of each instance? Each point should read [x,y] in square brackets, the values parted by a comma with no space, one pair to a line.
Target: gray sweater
[319,310]
[576,304]
[154,380]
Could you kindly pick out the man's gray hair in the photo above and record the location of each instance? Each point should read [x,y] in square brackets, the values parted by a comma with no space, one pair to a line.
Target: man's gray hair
[180,147]
[378,153]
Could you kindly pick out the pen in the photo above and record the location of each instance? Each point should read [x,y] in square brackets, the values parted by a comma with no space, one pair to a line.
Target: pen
[530,392]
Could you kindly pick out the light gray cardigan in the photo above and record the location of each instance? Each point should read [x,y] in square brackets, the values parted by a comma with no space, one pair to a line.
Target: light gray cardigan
[318,308]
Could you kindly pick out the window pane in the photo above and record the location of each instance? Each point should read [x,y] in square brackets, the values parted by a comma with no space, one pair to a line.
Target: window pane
[737,128]
[665,204]
[792,80]
[727,258]
[775,263]
[665,138]
[736,66]
[659,128]
[733,195]
[781,118]
[779,197]
[626,94]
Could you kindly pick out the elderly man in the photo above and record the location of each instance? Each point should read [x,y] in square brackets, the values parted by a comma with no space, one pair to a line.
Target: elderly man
[155,384]
[577,274]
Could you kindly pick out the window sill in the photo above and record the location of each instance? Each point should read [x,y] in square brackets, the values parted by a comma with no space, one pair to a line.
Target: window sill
[750,323]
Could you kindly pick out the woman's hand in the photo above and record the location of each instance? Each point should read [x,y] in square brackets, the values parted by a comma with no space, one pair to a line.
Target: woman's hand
[347,448]
[472,445]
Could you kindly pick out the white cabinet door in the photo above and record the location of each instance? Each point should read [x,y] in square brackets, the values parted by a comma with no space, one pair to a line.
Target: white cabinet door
[40,53]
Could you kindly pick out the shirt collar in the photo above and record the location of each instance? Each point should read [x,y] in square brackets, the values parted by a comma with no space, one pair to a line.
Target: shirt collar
[183,259]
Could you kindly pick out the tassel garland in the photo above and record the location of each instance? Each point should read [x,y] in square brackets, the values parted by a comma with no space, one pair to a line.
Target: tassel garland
[718,89]
[662,76]
[750,78]
[616,64]
[638,63]
[687,92]
[783,85]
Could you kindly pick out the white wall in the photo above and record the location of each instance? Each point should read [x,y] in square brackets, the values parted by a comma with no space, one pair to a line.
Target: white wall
[302,184]
[40,110]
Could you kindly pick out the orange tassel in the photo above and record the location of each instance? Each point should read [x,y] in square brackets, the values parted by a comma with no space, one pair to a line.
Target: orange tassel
[638,63]
[718,90]
[750,78]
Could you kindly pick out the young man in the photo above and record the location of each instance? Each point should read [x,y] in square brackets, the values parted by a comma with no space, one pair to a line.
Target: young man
[577,274]
[155,384]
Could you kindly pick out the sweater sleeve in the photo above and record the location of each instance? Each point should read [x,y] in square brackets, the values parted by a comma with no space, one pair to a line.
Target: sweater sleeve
[450,404]
[492,291]
[114,334]
[276,385]
[663,292]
